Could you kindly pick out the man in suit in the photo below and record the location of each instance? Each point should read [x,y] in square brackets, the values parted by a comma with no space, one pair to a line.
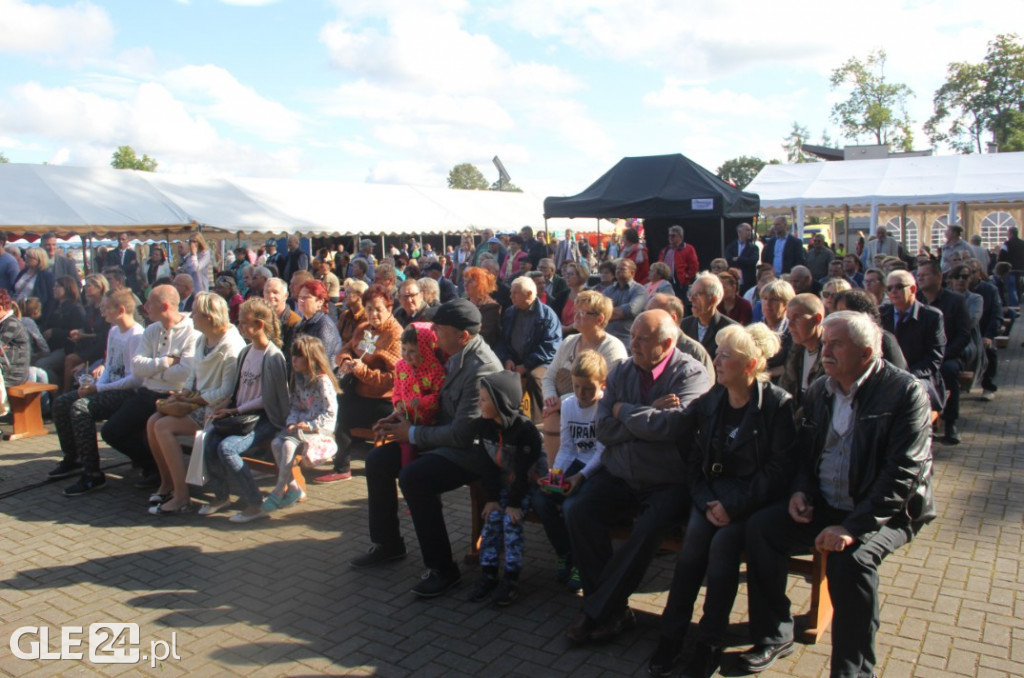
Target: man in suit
[705,295]
[446,461]
[918,330]
[60,265]
[957,324]
[555,286]
[783,251]
[744,254]
[123,256]
[567,249]
[186,291]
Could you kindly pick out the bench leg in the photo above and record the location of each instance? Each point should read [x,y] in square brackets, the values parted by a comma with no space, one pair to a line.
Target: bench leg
[820,615]
[28,416]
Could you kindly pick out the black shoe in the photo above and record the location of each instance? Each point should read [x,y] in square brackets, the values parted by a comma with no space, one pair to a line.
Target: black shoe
[703,663]
[65,469]
[85,485]
[665,657]
[435,582]
[612,628]
[486,584]
[952,435]
[507,591]
[379,554]
[148,481]
[760,657]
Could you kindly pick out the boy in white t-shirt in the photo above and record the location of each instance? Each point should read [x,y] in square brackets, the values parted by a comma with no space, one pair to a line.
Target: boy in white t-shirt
[579,455]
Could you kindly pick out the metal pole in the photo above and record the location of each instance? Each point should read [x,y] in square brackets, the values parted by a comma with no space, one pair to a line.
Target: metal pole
[722,232]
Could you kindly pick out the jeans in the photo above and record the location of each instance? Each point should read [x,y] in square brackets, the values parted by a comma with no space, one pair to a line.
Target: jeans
[223,458]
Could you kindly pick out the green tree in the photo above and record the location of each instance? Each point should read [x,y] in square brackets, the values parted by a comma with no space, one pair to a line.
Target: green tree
[507,188]
[793,144]
[741,171]
[3,159]
[466,176]
[875,108]
[126,158]
[980,98]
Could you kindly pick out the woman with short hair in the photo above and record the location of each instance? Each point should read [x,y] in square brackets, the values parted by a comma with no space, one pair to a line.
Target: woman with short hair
[208,385]
[737,442]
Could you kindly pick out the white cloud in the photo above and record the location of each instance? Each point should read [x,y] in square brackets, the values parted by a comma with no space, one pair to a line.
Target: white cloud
[216,92]
[75,30]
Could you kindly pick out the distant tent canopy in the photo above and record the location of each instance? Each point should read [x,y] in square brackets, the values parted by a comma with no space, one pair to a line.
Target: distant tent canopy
[664,190]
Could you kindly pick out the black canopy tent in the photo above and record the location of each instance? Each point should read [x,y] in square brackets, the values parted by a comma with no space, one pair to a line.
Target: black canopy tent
[664,190]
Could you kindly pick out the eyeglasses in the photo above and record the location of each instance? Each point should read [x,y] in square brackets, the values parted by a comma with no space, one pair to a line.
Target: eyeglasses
[896,288]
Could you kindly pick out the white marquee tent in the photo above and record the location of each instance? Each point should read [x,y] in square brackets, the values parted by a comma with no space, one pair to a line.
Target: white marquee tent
[101,201]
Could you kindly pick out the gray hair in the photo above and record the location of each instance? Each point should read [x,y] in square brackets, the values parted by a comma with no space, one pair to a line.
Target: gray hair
[430,290]
[525,284]
[261,271]
[863,331]
[676,229]
[712,284]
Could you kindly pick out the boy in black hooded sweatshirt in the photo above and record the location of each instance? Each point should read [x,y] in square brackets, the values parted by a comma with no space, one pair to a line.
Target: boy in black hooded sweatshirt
[513,443]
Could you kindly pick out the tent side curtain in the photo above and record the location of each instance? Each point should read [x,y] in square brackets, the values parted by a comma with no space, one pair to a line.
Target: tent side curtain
[661,186]
[893,181]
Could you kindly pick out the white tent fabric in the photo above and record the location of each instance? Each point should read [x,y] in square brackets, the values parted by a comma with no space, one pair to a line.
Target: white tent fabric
[101,201]
[82,200]
[864,184]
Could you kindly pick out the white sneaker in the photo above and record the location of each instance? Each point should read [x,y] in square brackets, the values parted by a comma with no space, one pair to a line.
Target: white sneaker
[213,507]
[988,396]
[243,518]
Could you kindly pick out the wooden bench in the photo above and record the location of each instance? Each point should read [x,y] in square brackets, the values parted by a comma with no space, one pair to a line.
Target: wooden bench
[1002,341]
[818,616]
[258,464]
[966,379]
[26,408]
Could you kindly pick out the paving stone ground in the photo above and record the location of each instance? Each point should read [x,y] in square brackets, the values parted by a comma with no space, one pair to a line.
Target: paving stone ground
[278,598]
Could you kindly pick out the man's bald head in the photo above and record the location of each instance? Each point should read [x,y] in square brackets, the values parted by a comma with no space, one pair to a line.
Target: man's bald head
[669,303]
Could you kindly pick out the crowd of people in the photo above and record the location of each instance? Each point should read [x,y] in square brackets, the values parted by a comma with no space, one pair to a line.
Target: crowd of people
[778,402]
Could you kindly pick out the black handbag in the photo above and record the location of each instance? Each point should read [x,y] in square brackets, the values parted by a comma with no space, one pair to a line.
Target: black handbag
[236,424]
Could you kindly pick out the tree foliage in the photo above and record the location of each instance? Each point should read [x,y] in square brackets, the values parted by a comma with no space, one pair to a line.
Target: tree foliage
[466,176]
[3,159]
[126,158]
[508,188]
[980,98]
[741,171]
[875,108]
[798,136]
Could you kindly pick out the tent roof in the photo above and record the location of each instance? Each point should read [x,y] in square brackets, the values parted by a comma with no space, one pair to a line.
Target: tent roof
[893,181]
[668,186]
[83,200]
[102,201]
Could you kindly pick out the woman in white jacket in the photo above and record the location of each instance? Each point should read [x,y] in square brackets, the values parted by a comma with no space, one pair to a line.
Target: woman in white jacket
[209,385]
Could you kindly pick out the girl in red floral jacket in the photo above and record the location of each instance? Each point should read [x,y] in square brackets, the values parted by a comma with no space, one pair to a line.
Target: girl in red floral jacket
[419,376]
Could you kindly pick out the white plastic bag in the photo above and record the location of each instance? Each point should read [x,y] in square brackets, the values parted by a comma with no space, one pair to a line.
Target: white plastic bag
[197,464]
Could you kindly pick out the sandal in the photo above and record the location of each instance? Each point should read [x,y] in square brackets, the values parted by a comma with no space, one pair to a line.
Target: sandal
[159,510]
[156,498]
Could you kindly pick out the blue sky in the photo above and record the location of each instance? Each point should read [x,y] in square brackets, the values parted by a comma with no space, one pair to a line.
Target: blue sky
[400,91]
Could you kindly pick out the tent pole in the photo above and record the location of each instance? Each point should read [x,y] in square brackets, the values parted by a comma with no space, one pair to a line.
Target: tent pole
[722,233]
[444,243]
[903,223]
[383,252]
[598,248]
[86,252]
[846,227]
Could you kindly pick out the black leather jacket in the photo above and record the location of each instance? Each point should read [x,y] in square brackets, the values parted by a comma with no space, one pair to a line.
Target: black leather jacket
[891,465]
[753,469]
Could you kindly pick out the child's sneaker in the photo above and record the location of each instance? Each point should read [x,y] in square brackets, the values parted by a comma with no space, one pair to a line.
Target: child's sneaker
[507,591]
[484,586]
[563,569]
[574,584]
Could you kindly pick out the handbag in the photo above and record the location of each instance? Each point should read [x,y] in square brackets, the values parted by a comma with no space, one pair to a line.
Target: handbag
[236,424]
[196,474]
[172,407]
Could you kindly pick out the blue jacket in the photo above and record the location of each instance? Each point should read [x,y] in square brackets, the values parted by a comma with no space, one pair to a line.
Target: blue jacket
[545,336]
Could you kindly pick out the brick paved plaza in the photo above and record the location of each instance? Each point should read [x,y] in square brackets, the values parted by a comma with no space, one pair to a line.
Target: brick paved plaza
[278,598]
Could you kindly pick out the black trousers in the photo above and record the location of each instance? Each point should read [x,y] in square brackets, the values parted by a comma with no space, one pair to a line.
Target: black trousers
[125,430]
[423,481]
[355,411]
[606,501]
[951,377]
[772,537]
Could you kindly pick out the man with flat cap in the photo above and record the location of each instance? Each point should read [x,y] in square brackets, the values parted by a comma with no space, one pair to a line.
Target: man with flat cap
[446,458]
[365,254]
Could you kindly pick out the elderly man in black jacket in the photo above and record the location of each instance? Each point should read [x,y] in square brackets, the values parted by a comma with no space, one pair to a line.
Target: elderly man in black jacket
[862,491]
[918,330]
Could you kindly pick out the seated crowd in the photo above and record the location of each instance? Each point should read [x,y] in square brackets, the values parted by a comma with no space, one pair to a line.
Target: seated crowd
[649,395]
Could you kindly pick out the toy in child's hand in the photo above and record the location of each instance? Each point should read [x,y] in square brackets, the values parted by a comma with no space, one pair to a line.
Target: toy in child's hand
[555,482]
